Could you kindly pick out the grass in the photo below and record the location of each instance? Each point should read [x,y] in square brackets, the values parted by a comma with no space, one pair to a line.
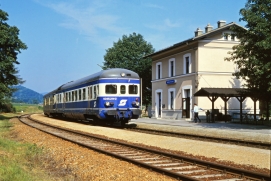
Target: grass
[17,160]
[28,108]
[21,161]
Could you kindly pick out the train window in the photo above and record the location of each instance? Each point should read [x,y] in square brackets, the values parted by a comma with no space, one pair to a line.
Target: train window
[91,92]
[67,97]
[94,92]
[122,89]
[133,89]
[72,95]
[75,95]
[84,94]
[80,94]
[111,89]
[97,90]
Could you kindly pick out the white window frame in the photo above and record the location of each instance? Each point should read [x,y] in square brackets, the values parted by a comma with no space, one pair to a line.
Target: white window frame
[184,63]
[169,67]
[169,100]
[157,64]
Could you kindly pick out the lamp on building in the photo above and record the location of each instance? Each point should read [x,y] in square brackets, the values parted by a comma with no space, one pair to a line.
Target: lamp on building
[196,83]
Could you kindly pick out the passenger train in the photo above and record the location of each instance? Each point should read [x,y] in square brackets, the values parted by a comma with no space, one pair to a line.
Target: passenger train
[110,96]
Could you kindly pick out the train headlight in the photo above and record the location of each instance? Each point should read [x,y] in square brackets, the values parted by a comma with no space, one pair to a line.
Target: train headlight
[135,103]
[108,104]
[122,74]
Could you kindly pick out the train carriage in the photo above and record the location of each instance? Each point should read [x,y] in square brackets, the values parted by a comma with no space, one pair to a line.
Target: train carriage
[110,95]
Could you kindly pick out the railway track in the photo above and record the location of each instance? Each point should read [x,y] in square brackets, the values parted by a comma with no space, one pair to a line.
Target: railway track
[180,167]
[240,142]
[247,143]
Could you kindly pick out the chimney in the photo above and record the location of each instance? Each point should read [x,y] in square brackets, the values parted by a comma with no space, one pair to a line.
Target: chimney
[208,28]
[198,32]
[221,23]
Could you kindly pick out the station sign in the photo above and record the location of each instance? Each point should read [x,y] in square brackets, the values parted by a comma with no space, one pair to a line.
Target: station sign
[169,82]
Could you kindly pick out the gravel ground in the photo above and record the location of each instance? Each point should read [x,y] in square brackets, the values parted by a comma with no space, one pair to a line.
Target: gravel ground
[72,162]
[89,165]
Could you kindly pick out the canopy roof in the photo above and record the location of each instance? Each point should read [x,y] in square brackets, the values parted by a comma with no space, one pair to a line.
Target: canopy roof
[229,92]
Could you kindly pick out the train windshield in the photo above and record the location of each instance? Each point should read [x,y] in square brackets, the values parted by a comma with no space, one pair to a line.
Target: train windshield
[111,89]
[133,89]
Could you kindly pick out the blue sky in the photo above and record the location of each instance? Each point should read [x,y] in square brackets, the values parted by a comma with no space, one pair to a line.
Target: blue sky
[66,39]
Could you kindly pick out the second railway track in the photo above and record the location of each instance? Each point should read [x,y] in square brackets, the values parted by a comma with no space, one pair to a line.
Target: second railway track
[247,143]
[180,167]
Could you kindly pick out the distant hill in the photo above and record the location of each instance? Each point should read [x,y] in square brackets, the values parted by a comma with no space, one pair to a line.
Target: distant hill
[25,95]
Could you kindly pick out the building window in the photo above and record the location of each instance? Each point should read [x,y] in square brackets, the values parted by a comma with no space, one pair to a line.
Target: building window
[171,98]
[226,36]
[158,70]
[171,67]
[233,37]
[187,63]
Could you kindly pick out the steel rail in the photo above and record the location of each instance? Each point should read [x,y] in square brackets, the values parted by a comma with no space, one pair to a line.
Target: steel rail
[222,168]
[248,143]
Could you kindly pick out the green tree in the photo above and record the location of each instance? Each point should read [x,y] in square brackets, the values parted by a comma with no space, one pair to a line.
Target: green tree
[10,46]
[252,56]
[129,53]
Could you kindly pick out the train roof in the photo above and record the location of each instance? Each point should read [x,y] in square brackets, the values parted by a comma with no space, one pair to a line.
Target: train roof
[109,73]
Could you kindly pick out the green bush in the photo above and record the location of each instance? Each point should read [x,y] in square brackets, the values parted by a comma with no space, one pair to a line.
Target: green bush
[7,108]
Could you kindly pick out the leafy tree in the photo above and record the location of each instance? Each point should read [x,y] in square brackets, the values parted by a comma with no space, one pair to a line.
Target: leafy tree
[252,56]
[10,46]
[129,53]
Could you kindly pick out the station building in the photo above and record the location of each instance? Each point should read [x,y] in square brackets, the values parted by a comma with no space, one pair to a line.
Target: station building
[182,69]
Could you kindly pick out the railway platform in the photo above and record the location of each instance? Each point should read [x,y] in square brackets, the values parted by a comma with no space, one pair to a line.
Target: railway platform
[258,133]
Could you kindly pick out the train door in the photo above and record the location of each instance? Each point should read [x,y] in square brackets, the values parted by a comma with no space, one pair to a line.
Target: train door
[60,101]
[55,102]
[90,97]
[64,101]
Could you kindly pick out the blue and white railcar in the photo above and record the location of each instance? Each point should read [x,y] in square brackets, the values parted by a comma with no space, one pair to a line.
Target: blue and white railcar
[110,95]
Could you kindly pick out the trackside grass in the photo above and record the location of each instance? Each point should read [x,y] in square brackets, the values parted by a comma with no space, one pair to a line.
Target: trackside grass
[15,157]
[18,161]
[28,108]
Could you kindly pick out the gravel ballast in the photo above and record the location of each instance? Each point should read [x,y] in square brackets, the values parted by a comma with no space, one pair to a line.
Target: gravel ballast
[91,165]
[78,163]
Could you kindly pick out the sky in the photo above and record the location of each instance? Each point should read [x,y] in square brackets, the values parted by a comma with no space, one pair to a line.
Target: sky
[67,39]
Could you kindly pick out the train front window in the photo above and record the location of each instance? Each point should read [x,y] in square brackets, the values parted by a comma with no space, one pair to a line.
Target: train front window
[133,89]
[111,89]
[122,89]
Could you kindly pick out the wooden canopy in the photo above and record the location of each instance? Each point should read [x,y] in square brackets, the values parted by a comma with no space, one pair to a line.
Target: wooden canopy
[225,94]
